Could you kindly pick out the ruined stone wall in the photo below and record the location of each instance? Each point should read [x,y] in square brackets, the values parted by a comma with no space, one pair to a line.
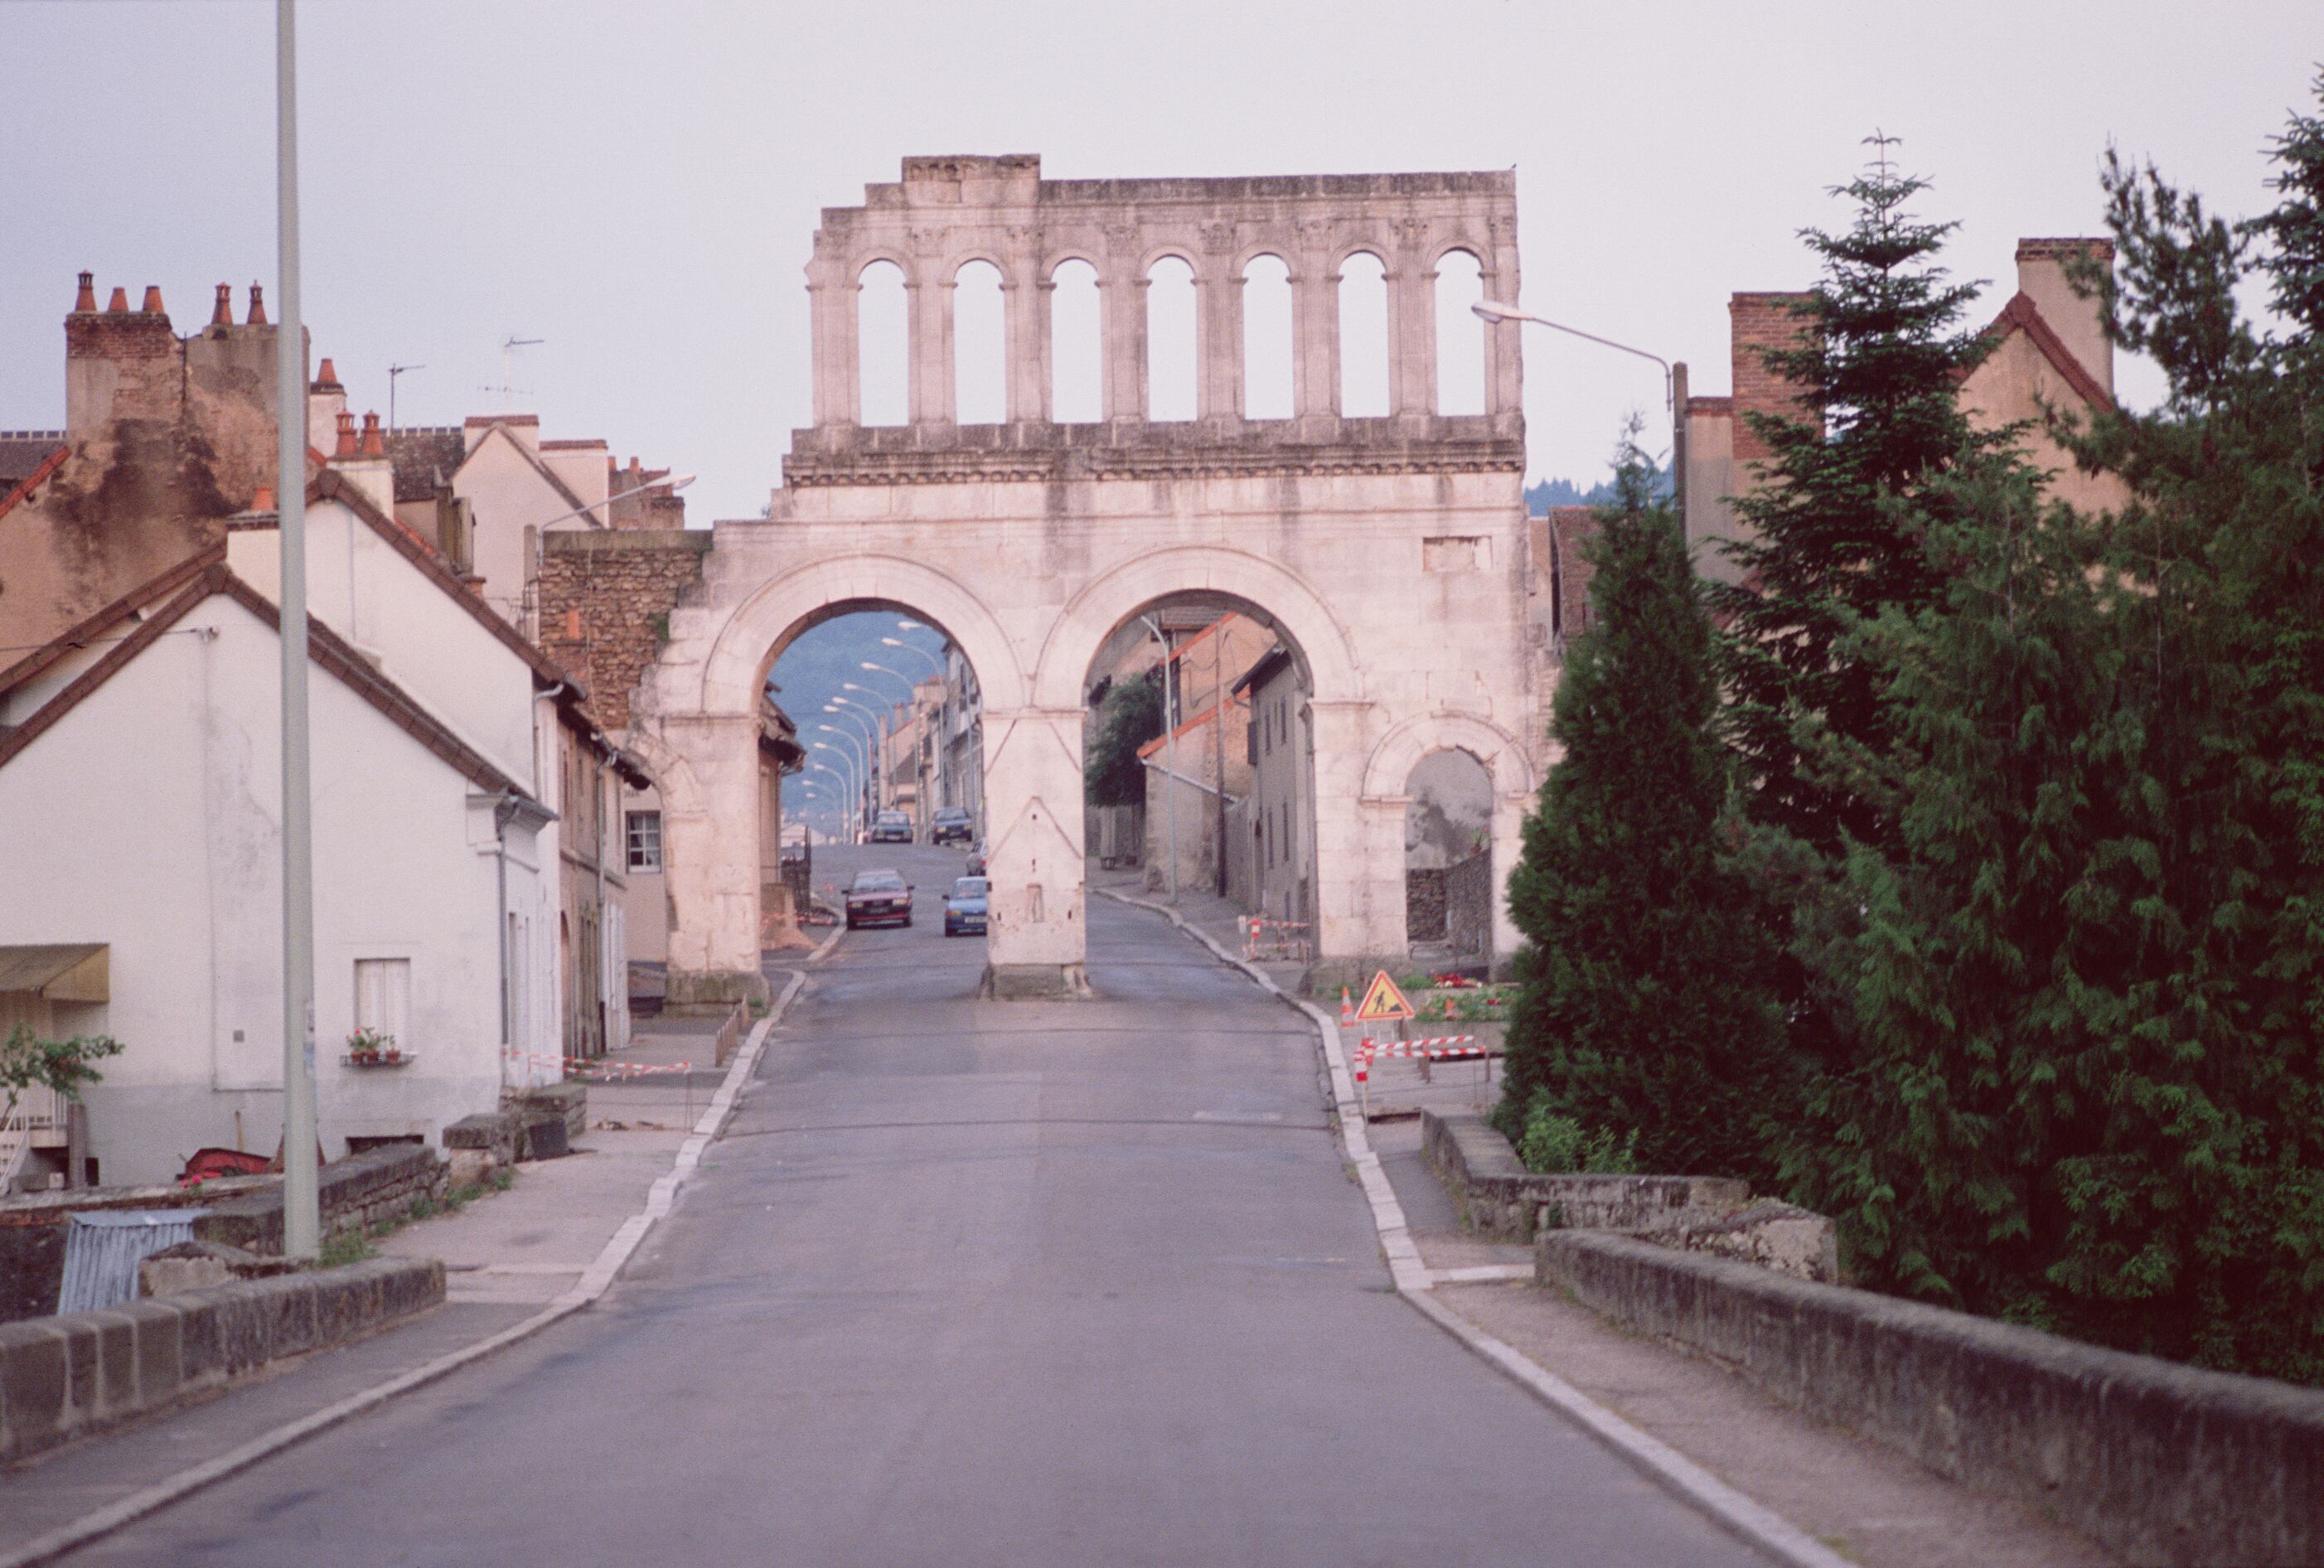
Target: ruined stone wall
[605,600]
[1469,891]
[165,437]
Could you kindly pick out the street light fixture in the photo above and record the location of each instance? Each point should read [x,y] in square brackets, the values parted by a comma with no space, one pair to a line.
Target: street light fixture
[861,751]
[1673,379]
[853,779]
[908,648]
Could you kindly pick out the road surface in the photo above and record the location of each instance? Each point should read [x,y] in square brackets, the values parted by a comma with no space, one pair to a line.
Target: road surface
[975,1283]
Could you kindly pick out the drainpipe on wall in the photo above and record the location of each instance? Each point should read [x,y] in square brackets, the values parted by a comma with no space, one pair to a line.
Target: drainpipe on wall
[604,927]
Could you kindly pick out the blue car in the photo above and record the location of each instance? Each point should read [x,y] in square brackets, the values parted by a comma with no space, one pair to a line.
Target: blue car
[965,906]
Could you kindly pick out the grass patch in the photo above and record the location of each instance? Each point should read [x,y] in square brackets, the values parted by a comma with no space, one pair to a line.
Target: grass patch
[346,1247]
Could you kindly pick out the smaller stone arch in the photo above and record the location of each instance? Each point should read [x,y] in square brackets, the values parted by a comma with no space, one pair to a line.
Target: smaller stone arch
[1402,748]
[1371,245]
[1288,254]
[1089,256]
[1475,250]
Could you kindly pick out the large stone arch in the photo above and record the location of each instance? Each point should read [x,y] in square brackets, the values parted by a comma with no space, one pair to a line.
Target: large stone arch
[736,668]
[1112,598]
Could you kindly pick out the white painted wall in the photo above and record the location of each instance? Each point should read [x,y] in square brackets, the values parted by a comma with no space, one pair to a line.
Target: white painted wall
[410,627]
[157,805]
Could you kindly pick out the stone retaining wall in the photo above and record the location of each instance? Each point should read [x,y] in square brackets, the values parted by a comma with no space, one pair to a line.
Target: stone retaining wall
[358,1191]
[64,1378]
[2160,1462]
[1498,1197]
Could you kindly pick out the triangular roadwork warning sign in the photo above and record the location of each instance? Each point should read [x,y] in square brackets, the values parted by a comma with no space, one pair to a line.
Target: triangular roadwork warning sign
[1383,1002]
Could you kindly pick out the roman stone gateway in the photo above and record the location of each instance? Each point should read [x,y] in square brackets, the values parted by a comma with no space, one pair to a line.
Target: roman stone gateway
[1389,552]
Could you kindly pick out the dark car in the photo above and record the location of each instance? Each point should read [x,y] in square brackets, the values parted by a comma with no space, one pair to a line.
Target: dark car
[965,906]
[952,824]
[891,827]
[878,896]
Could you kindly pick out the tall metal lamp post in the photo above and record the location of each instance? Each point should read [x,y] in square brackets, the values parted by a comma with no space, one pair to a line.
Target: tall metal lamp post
[302,1218]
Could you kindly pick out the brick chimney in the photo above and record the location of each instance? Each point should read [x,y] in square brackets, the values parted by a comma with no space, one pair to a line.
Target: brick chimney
[363,459]
[2041,278]
[326,404]
[1755,323]
[119,364]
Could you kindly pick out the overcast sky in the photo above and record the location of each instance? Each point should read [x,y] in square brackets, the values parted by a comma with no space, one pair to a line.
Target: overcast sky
[637,183]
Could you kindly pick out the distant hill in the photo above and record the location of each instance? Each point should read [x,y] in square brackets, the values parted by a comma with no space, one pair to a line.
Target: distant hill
[1549,492]
[820,664]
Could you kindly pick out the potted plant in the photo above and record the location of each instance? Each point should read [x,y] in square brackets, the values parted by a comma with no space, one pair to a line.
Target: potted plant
[367,1047]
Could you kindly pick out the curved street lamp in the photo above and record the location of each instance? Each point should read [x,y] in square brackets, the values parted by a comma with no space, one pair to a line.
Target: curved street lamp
[909,648]
[1500,311]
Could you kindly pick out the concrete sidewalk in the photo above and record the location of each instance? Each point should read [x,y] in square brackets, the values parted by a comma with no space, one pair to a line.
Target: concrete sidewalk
[506,1255]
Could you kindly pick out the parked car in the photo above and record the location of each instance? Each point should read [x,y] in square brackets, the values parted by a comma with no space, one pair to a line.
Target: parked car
[965,906]
[952,824]
[891,827]
[877,896]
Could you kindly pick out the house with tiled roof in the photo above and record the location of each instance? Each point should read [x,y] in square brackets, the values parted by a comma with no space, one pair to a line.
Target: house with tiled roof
[2048,357]
[141,756]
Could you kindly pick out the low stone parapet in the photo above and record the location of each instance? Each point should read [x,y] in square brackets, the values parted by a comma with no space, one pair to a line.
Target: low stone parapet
[65,1377]
[363,1190]
[1498,1197]
[2160,1462]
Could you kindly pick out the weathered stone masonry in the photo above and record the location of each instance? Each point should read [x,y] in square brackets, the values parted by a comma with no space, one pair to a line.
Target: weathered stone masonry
[1390,554]
[606,602]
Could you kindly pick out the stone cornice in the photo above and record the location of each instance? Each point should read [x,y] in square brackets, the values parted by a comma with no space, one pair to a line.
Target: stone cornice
[1038,453]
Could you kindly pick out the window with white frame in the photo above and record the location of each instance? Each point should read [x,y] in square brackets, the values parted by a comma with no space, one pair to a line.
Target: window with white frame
[384,999]
[645,841]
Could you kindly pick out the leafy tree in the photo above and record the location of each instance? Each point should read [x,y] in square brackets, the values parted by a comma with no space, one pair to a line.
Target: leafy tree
[1130,717]
[29,1062]
[1639,1014]
[1837,527]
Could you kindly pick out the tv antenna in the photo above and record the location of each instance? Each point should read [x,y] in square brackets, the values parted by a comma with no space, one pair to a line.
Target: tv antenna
[508,391]
[392,372]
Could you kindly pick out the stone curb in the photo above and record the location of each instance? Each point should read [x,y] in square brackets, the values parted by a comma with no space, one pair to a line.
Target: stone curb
[593,1283]
[1753,1524]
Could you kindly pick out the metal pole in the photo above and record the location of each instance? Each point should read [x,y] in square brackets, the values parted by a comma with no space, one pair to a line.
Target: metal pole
[302,1225]
[1169,754]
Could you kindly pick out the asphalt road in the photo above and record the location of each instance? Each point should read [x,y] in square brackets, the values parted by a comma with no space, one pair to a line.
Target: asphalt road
[973,1283]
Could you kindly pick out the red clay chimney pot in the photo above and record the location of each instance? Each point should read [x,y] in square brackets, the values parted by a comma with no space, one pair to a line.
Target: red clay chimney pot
[346,447]
[257,306]
[221,313]
[373,444]
[264,500]
[119,304]
[152,306]
[328,376]
[86,301]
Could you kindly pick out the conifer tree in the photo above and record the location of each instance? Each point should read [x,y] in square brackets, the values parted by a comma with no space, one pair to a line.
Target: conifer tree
[2089,992]
[1837,531]
[1639,1010]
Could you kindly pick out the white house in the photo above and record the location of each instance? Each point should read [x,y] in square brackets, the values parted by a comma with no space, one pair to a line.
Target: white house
[140,781]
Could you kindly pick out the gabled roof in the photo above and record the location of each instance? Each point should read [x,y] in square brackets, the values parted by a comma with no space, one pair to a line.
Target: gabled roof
[48,465]
[425,458]
[324,648]
[1263,671]
[332,485]
[2022,315]
[85,631]
[21,451]
[499,427]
